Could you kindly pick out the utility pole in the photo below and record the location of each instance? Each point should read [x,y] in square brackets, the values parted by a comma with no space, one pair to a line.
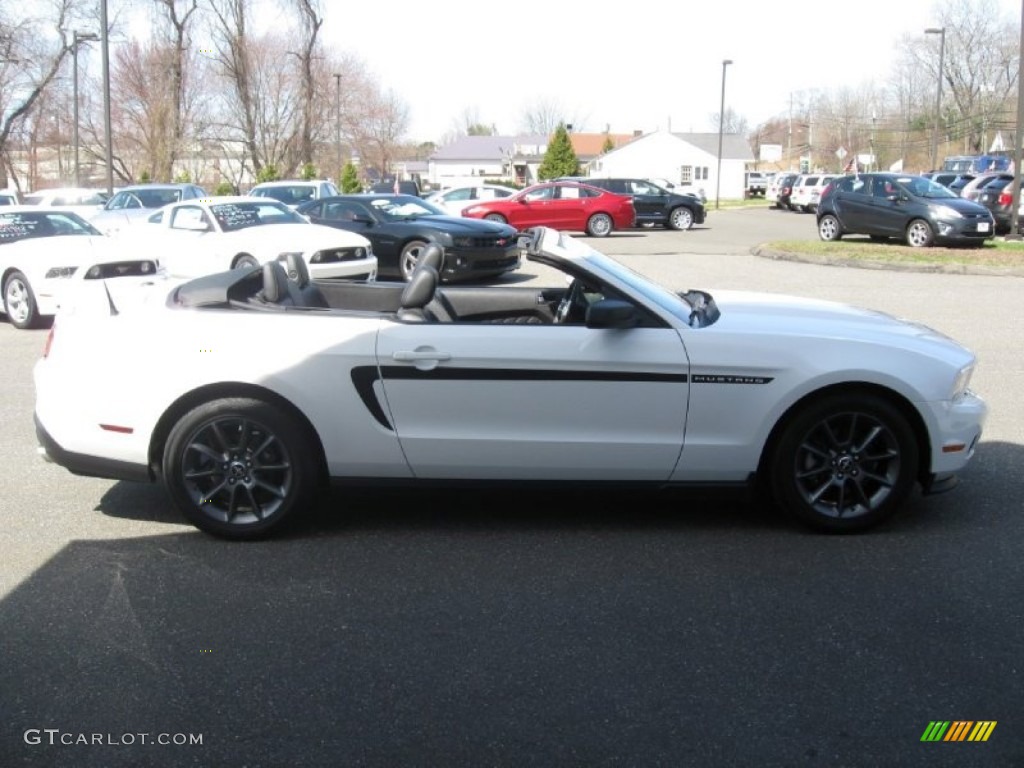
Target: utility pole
[337,119]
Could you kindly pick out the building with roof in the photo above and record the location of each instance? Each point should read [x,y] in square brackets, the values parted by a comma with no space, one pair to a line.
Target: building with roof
[687,159]
[471,159]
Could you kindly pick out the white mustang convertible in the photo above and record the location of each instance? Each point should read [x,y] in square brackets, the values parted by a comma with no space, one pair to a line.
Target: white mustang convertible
[243,391]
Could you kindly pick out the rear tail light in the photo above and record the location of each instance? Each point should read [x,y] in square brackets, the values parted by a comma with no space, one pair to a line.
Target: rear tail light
[825,191]
[1005,198]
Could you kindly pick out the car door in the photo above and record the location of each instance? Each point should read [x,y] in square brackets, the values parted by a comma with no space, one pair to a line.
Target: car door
[853,205]
[534,402]
[888,208]
[536,207]
[649,201]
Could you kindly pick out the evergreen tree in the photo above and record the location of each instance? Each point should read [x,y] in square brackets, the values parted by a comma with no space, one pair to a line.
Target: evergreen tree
[608,145]
[308,172]
[560,159]
[350,179]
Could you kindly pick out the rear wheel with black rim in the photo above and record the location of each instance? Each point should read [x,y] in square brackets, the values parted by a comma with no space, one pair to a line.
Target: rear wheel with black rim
[238,467]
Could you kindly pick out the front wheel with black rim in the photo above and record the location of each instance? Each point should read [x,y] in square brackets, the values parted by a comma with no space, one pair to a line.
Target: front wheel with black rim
[599,225]
[19,302]
[681,218]
[238,467]
[845,462]
[920,234]
[829,229]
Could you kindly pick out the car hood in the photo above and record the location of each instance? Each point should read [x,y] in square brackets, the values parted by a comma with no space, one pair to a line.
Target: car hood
[298,237]
[781,315]
[958,204]
[457,225]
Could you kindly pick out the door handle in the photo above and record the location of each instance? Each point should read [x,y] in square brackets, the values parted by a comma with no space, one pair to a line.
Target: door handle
[412,356]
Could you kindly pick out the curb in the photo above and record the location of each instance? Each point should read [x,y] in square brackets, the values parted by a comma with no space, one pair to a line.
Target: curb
[889,266]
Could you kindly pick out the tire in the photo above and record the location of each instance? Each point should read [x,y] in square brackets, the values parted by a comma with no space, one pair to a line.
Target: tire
[599,225]
[410,257]
[238,467]
[829,228]
[680,218]
[496,217]
[920,234]
[844,463]
[244,261]
[19,302]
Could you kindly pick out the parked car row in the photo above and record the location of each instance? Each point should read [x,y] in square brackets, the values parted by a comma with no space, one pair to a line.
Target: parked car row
[797,191]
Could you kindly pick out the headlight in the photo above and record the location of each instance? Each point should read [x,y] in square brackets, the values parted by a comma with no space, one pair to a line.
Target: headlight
[946,212]
[60,272]
[962,380]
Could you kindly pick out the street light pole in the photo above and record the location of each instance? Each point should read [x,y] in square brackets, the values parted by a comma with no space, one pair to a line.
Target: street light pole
[337,118]
[941,32]
[1017,136]
[77,37]
[721,127]
[105,44]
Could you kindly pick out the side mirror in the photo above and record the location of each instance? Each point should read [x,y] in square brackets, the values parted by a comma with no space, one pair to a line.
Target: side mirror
[611,313]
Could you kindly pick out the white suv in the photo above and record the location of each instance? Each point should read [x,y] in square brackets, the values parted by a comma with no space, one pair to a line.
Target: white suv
[296,192]
[807,191]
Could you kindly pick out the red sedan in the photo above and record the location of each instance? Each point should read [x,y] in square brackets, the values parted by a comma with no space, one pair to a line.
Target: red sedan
[561,205]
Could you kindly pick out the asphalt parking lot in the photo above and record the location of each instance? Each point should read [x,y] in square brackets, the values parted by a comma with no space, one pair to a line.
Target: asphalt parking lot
[475,628]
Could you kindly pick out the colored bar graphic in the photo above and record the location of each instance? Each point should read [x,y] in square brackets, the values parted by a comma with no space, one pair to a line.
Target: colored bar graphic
[958,730]
[982,730]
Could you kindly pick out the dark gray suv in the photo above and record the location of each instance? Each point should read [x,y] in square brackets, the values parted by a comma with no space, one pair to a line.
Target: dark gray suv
[653,204]
[911,208]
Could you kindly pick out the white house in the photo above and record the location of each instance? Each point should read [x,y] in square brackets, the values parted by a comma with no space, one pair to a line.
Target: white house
[690,159]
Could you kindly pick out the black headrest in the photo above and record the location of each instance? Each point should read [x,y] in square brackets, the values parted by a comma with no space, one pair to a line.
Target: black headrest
[298,271]
[419,291]
[432,256]
[275,281]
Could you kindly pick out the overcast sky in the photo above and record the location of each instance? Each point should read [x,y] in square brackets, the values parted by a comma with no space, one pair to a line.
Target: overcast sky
[628,66]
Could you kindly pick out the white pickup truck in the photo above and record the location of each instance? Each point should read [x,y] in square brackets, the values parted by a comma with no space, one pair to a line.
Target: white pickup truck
[755,184]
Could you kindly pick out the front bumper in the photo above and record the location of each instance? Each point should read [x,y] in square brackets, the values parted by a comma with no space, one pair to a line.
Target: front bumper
[362,269]
[955,435]
[469,263]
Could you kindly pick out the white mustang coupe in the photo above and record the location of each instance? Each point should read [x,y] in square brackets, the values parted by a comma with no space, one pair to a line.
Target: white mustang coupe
[263,386]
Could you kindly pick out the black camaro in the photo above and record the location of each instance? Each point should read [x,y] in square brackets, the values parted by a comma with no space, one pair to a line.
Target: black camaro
[401,226]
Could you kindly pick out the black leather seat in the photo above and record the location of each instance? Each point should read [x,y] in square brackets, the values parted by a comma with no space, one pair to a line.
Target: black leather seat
[419,292]
[433,256]
[298,273]
[277,288]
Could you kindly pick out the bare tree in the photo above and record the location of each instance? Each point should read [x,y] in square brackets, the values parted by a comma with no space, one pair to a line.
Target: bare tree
[544,116]
[32,50]
[175,59]
[310,21]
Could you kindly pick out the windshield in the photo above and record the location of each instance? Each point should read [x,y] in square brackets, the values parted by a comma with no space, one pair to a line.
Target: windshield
[16,226]
[919,186]
[654,293]
[404,207]
[232,217]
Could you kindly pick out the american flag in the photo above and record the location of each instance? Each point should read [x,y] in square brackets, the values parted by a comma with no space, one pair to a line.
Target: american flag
[851,167]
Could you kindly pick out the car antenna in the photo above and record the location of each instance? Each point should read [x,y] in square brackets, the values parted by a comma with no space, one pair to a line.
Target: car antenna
[110,301]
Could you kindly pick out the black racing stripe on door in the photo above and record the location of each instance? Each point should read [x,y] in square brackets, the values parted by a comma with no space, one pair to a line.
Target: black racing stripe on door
[363,377]
[518,374]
